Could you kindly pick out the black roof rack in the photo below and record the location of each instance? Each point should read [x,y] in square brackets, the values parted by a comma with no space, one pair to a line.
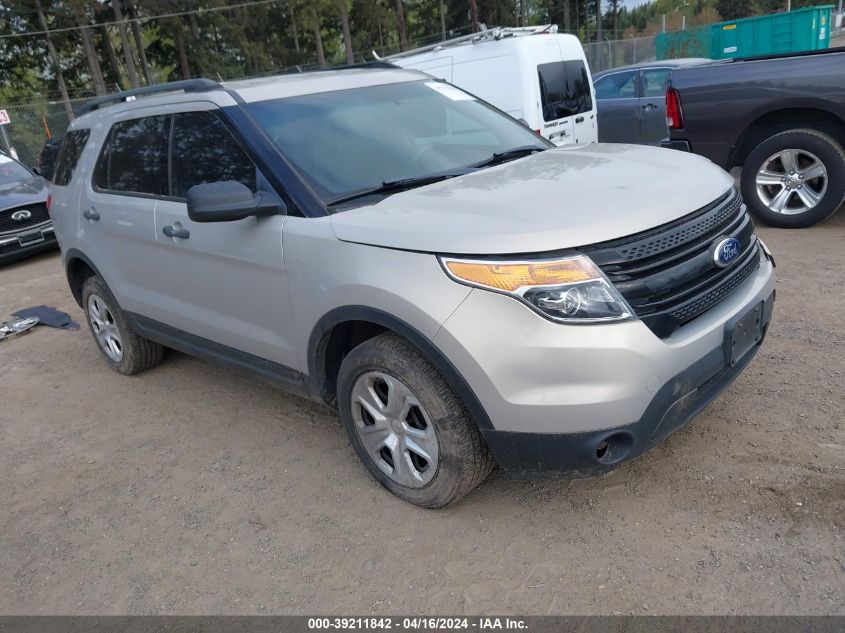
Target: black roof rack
[186,85]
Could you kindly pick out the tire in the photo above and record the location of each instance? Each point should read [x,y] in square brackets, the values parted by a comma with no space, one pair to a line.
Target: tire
[431,419]
[126,352]
[807,147]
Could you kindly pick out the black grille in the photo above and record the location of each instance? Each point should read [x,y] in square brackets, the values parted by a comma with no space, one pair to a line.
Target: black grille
[39,215]
[668,276]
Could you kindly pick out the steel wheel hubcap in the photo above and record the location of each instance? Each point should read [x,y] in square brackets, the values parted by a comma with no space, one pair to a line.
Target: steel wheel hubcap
[105,328]
[792,181]
[395,429]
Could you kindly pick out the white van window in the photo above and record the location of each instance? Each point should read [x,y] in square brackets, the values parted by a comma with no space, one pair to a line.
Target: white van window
[564,89]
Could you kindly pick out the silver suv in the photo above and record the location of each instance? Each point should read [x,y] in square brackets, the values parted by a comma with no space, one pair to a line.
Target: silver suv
[464,293]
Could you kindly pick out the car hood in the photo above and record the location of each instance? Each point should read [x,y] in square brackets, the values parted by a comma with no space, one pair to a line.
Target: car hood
[560,198]
[20,192]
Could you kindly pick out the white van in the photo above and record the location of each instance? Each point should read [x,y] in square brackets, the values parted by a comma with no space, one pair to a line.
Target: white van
[535,74]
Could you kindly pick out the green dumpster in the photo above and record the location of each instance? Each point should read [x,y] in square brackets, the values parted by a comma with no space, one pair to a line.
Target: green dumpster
[800,30]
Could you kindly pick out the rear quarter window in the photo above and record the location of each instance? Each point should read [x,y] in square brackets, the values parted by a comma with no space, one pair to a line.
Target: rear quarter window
[564,89]
[69,154]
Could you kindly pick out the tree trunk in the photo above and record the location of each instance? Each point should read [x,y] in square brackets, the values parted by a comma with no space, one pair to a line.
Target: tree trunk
[181,51]
[347,34]
[54,61]
[599,38]
[124,43]
[139,44]
[93,60]
[567,25]
[113,61]
[400,20]
[442,21]
[195,27]
[295,30]
[318,41]
[599,25]
[473,15]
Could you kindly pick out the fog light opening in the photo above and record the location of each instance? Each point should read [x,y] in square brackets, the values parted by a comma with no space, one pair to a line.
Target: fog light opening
[601,450]
[614,448]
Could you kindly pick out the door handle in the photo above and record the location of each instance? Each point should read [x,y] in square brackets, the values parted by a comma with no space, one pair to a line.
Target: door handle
[170,231]
[579,119]
[649,107]
[90,214]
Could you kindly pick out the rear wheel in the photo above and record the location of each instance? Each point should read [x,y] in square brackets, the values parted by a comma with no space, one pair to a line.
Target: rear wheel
[407,425]
[794,179]
[126,352]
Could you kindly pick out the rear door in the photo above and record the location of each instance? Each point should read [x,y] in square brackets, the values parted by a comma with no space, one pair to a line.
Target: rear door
[225,281]
[117,223]
[566,101]
[618,107]
[652,105]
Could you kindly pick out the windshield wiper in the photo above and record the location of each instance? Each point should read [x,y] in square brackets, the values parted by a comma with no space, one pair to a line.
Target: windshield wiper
[393,186]
[510,154]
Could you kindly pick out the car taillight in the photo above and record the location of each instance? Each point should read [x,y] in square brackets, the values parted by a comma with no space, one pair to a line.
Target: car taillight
[49,201]
[674,115]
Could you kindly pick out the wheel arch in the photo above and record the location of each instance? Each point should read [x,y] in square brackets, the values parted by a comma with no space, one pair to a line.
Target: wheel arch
[781,119]
[344,328]
[79,268]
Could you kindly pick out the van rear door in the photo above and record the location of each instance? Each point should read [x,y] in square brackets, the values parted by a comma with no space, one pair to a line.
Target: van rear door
[566,101]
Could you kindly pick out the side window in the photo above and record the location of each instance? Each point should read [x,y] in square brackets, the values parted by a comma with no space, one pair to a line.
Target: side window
[654,82]
[71,149]
[564,89]
[621,85]
[202,150]
[132,159]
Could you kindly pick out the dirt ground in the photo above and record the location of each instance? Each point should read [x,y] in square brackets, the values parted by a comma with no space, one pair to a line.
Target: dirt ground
[193,489]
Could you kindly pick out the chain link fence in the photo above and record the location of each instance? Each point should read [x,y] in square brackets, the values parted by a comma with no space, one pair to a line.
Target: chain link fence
[33,124]
[613,53]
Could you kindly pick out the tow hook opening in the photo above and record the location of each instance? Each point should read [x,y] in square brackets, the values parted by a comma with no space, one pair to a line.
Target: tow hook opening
[614,448]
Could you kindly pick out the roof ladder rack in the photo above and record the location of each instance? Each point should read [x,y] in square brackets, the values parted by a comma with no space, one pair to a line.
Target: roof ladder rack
[484,35]
[186,85]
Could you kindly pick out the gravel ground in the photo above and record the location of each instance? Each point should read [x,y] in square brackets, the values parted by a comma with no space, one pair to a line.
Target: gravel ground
[194,489]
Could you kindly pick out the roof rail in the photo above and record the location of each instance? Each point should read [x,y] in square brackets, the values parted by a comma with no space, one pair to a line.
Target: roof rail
[186,85]
[484,35]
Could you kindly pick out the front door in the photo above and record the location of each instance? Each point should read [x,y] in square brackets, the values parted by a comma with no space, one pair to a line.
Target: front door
[618,107]
[225,281]
[652,105]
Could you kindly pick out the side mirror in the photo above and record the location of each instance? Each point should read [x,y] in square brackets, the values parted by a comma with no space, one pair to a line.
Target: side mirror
[230,200]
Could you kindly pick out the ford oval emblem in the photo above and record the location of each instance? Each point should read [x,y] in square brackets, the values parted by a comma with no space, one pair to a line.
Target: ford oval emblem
[725,252]
[23,214]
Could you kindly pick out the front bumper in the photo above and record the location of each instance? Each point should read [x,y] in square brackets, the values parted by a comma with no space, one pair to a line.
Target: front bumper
[27,243]
[594,452]
[555,393]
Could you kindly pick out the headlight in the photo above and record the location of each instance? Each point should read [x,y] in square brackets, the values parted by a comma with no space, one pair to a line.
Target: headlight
[570,289]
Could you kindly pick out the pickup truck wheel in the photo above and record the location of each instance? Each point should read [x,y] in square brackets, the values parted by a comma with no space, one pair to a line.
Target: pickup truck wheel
[794,179]
[126,352]
[407,425]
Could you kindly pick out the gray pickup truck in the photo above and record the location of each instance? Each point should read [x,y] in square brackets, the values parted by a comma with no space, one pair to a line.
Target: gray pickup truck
[782,119]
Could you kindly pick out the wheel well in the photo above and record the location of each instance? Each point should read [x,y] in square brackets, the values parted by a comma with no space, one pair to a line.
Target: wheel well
[333,347]
[781,121]
[77,272]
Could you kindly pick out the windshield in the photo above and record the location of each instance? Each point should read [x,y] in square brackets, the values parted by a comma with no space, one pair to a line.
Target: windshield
[12,171]
[348,141]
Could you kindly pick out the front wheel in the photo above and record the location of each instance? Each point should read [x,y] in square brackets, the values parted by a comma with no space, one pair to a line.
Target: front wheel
[794,179]
[407,425]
